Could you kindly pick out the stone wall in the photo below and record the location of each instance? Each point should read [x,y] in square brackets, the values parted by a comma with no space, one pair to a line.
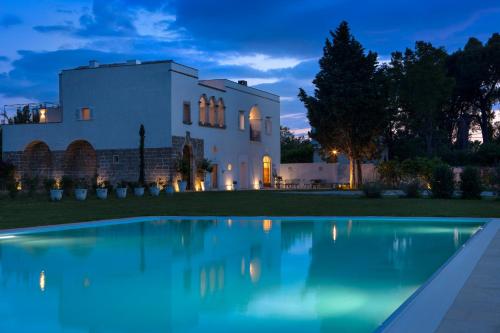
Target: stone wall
[110,164]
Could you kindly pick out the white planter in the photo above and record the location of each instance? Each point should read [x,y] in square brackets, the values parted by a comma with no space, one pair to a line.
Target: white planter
[121,192]
[154,191]
[169,189]
[138,191]
[102,193]
[56,195]
[80,194]
[183,186]
[208,181]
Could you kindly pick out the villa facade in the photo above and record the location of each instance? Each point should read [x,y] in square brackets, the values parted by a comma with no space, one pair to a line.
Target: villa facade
[94,131]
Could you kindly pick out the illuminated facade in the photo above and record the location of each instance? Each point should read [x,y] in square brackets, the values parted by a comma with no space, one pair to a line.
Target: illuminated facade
[94,129]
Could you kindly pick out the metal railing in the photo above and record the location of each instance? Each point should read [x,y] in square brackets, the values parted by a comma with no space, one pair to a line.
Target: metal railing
[31,113]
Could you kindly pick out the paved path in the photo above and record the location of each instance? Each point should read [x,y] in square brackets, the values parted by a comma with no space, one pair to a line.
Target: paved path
[477,306]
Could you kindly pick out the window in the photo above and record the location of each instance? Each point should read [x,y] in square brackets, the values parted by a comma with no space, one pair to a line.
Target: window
[84,113]
[203,110]
[268,126]
[220,113]
[255,124]
[116,159]
[241,120]
[186,113]
[212,112]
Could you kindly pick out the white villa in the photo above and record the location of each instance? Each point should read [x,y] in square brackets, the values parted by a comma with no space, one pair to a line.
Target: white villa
[94,130]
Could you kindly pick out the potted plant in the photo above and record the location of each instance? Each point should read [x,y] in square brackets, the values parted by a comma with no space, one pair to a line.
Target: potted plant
[53,187]
[81,188]
[183,169]
[101,189]
[154,189]
[235,185]
[121,189]
[138,188]
[205,167]
[169,188]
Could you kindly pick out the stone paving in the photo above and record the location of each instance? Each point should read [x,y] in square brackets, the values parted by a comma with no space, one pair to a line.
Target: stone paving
[477,306]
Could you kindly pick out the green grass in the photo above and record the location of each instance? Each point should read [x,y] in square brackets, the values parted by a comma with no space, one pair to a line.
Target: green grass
[26,212]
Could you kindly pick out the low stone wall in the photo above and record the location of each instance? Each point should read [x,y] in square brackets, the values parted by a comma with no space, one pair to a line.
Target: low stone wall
[327,172]
[110,164]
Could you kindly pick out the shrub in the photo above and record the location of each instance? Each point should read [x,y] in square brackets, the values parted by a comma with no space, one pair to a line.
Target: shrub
[442,184]
[122,184]
[31,184]
[7,173]
[81,184]
[372,190]
[390,172]
[470,183]
[67,184]
[12,187]
[50,184]
[412,189]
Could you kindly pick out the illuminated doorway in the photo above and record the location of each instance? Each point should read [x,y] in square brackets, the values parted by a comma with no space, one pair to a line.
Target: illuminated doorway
[266,172]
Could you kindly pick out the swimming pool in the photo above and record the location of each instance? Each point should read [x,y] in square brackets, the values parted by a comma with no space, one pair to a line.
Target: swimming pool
[220,275]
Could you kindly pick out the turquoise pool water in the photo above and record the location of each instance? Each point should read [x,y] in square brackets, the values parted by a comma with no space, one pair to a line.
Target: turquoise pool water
[221,275]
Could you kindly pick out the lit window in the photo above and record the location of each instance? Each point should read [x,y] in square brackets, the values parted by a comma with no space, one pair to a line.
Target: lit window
[241,121]
[268,126]
[203,110]
[186,113]
[212,112]
[229,167]
[84,114]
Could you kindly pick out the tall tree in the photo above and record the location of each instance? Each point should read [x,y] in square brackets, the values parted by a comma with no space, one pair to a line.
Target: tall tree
[347,111]
[295,149]
[424,92]
[489,90]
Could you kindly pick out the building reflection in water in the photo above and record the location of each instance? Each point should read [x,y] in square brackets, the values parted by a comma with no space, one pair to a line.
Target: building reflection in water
[201,275]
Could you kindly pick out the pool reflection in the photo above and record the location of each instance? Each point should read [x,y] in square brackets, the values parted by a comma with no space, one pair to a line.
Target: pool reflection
[219,275]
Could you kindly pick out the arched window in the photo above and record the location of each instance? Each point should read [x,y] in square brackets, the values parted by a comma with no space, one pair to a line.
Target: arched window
[203,110]
[221,113]
[212,117]
[255,124]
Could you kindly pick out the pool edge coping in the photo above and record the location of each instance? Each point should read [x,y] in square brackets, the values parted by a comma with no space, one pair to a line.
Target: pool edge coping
[415,313]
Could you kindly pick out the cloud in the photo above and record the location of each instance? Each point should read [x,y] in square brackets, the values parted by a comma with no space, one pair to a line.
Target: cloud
[9,20]
[258,61]
[54,28]
[298,115]
[255,81]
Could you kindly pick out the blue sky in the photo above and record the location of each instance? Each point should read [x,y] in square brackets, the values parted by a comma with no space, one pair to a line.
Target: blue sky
[275,45]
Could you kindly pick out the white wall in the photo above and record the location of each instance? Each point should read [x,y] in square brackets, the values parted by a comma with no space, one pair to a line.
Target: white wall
[329,172]
[230,145]
[121,98]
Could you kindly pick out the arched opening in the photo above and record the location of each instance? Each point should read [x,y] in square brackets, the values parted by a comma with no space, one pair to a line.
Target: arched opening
[80,160]
[203,110]
[221,113]
[266,171]
[212,116]
[187,157]
[37,160]
[255,124]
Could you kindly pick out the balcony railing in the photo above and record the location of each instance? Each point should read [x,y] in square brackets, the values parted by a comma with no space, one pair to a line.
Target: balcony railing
[31,113]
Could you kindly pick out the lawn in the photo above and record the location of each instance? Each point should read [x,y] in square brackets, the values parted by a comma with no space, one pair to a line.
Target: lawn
[26,212]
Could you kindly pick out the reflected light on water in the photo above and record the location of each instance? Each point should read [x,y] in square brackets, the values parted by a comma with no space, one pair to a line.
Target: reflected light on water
[7,237]
[334,233]
[267,225]
[42,281]
[254,270]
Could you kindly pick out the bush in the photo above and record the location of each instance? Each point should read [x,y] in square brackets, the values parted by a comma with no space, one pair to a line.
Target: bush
[67,184]
[442,184]
[31,184]
[390,172]
[412,189]
[470,183]
[372,190]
